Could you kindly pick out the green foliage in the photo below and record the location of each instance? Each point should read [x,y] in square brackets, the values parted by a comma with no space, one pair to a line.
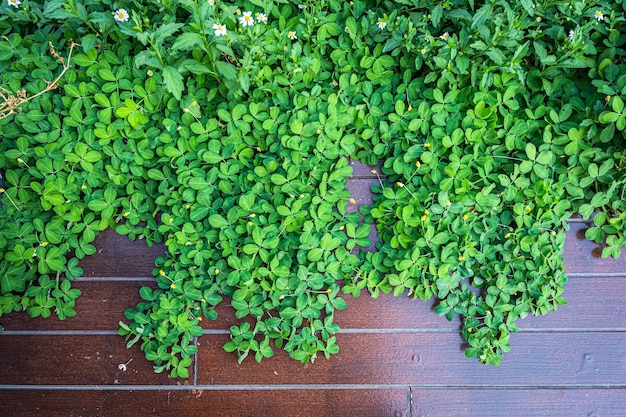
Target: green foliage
[492,122]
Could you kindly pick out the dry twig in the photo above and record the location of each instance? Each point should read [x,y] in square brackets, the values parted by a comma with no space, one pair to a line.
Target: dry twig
[10,102]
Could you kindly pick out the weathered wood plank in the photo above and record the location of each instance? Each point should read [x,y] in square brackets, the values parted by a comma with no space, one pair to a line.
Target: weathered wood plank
[118,257]
[267,403]
[583,257]
[522,402]
[536,359]
[100,307]
[74,359]
[361,170]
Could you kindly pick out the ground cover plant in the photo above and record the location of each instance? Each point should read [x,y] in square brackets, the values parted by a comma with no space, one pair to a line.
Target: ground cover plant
[223,130]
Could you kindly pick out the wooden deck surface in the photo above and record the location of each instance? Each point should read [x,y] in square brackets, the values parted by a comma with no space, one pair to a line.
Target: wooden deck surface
[396,357]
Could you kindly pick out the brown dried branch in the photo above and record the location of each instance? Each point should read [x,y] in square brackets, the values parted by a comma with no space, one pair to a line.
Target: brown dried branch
[11,102]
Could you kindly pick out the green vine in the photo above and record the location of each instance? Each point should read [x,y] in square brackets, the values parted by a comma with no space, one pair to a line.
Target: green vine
[223,130]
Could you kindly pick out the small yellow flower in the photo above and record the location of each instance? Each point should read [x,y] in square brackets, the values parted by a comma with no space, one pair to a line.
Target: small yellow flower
[448,202]
[553,233]
[253,215]
[423,51]
[171,220]
[508,235]
[173,286]
[1,190]
[301,195]
[217,272]
[427,145]
[399,184]
[373,172]
[20,160]
[282,297]
[162,272]
[126,214]
[488,313]
[238,11]
[194,103]
[84,187]
[470,330]
[258,149]
[199,318]
[510,229]
[318,131]
[424,217]
[203,300]
[352,201]
[410,107]
[150,73]
[425,211]
[538,19]
[527,208]
[607,98]
[44,244]
[146,20]
[461,258]
[186,110]
[250,223]
[342,227]
[418,164]
[329,291]
[179,127]
[465,217]
[187,206]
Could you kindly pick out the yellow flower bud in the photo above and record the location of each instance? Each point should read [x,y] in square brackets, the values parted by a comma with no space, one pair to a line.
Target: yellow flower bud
[162,272]
[173,286]
[342,227]
[418,164]
[20,160]
[253,215]
[171,220]
[427,145]
[465,217]
[126,214]
[186,110]
[399,184]
[410,107]
[527,208]
[203,300]
[250,223]
[329,291]
[194,103]
[217,272]
[352,201]
[373,172]
[199,318]
[44,244]
[282,297]
[448,202]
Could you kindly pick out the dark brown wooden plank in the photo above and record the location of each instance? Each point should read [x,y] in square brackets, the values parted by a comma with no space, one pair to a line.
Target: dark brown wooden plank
[537,359]
[583,256]
[100,307]
[118,257]
[593,302]
[506,403]
[361,170]
[267,403]
[74,360]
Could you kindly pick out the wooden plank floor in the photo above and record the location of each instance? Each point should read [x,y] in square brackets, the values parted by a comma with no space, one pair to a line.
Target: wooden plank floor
[396,359]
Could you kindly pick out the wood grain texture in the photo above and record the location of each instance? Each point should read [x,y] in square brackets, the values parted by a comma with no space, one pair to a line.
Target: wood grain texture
[244,403]
[536,359]
[363,171]
[118,257]
[522,402]
[74,359]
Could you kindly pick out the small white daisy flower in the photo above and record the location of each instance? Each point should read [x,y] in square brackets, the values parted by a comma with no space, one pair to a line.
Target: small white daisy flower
[14,3]
[121,15]
[292,35]
[246,19]
[445,36]
[381,24]
[261,17]
[571,34]
[220,30]
[598,15]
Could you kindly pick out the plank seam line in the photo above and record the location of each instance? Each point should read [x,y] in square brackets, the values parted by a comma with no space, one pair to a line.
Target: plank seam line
[342,331]
[216,387]
[596,274]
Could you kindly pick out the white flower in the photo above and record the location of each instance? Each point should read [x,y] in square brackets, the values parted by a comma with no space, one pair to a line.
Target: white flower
[445,36]
[220,30]
[14,3]
[571,34]
[121,15]
[346,29]
[381,24]
[301,6]
[292,35]
[261,17]
[598,15]
[211,2]
[246,19]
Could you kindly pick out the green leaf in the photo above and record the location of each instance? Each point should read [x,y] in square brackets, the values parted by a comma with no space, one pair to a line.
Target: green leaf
[173,81]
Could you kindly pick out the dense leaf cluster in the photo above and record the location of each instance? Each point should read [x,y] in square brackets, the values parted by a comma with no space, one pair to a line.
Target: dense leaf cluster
[492,123]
